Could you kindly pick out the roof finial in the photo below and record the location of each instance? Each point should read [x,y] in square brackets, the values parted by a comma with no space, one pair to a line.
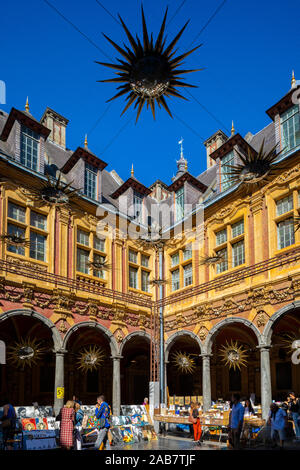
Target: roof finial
[293,83]
[85,142]
[181,148]
[132,171]
[185,166]
[232,129]
[27,105]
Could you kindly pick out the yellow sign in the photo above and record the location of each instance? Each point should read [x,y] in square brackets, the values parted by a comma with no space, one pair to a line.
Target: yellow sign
[60,392]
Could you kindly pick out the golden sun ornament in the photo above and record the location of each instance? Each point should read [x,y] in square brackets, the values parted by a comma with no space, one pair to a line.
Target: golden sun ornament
[233,355]
[90,358]
[26,352]
[184,362]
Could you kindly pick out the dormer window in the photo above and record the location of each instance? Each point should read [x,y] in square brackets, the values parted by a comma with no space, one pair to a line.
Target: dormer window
[225,171]
[29,148]
[90,181]
[290,128]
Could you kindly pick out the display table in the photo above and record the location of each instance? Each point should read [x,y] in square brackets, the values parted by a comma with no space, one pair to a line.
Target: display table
[172,419]
[39,440]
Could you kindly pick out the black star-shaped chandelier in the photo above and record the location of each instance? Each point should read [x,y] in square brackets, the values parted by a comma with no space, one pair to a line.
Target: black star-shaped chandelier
[150,72]
[255,168]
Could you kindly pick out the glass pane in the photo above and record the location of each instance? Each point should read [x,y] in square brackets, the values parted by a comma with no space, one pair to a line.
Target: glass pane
[133,277]
[237,228]
[37,246]
[285,233]
[19,232]
[238,253]
[175,259]
[226,171]
[99,244]
[222,265]
[99,272]
[175,279]
[145,281]
[221,237]
[188,275]
[133,256]
[284,205]
[145,261]
[38,220]
[187,254]
[82,261]
[179,203]
[90,181]
[16,212]
[83,237]
[29,148]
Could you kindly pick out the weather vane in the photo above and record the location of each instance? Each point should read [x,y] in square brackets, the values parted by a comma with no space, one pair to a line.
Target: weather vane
[150,72]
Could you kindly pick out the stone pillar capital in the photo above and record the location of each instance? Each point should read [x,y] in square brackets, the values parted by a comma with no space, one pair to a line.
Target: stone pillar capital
[60,352]
[116,357]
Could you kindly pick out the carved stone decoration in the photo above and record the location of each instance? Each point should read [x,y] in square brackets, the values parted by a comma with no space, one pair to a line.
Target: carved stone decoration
[119,314]
[28,294]
[81,309]
[119,336]
[93,311]
[17,263]
[142,322]
[62,327]
[261,318]
[202,333]
[63,303]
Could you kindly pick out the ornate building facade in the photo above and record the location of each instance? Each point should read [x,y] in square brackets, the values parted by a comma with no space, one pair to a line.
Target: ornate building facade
[77,276]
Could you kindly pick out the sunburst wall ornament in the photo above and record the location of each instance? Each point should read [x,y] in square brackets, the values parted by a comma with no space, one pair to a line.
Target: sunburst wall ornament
[255,169]
[183,362]
[233,355]
[54,191]
[150,71]
[90,358]
[26,352]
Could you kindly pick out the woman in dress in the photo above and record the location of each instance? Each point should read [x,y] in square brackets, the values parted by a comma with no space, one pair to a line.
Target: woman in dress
[195,419]
[67,417]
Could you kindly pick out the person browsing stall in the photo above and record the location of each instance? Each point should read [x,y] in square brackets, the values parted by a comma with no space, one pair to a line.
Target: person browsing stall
[236,420]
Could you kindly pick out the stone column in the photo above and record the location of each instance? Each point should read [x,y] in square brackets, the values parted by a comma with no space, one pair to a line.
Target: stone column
[206,382]
[116,388]
[265,379]
[59,384]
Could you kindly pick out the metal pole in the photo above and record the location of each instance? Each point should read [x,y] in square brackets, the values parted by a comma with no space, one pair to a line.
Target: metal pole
[161,326]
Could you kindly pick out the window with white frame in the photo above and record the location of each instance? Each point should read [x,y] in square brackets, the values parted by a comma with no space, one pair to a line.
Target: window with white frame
[188,275]
[29,148]
[290,128]
[175,280]
[238,253]
[284,205]
[226,172]
[90,249]
[222,265]
[31,225]
[285,233]
[90,181]
[139,270]
[179,203]
[237,228]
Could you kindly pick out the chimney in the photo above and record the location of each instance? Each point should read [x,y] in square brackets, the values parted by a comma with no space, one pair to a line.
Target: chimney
[212,144]
[57,125]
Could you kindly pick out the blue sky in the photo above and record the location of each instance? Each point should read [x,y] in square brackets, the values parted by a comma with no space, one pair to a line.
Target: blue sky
[249,51]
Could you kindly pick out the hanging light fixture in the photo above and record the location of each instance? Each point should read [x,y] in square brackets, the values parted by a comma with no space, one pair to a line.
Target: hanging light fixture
[54,191]
[14,240]
[233,355]
[26,352]
[150,72]
[255,168]
[90,358]
[183,362]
